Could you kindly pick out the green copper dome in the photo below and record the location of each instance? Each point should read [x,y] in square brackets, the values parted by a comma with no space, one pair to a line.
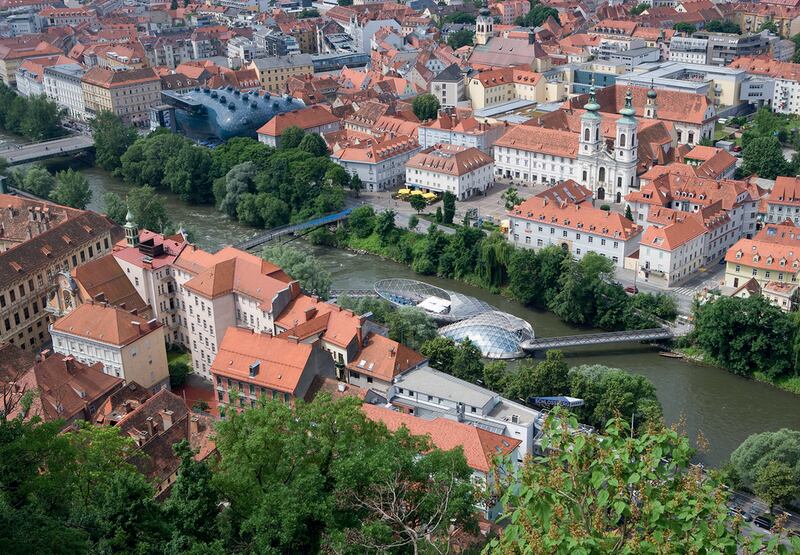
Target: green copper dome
[628,110]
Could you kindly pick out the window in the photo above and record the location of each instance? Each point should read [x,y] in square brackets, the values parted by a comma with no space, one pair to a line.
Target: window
[622,139]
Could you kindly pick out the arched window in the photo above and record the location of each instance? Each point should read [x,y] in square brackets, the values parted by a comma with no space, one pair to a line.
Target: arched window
[597,134]
[586,136]
[602,174]
[622,139]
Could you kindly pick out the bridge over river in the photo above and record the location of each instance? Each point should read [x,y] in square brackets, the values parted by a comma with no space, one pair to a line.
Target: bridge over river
[540,344]
[290,229]
[36,152]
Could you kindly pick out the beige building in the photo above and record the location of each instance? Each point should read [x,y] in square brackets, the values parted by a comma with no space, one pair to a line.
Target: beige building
[128,94]
[772,256]
[39,244]
[15,51]
[127,346]
[507,84]
[448,168]
[275,71]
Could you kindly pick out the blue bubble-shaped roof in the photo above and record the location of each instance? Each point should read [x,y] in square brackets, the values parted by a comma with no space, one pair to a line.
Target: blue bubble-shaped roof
[225,112]
[496,334]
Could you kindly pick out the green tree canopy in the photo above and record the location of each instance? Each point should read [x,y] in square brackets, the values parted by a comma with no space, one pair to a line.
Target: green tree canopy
[763,156]
[148,209]
[449,207]
[39,182]
[758,450]
[362,221]
[537,15]
[72,189]
[776,483]
[612,492]
[722,26]
[115,208]
[425,106]
[686,28]
[291,137]
[745,335]
[302,266]
[639,8]
[111,139]
[462,37]
[411,326]
[314,144]
[417,203]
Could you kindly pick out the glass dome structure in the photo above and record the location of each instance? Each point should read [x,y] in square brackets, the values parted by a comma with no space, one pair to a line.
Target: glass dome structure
[497,334]
[441,305]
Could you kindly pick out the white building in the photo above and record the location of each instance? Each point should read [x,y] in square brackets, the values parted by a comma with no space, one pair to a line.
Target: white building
[62,84]
[537,154]
[469,132]
[429,394]
[381,165]
[126,345]
[688,50]
[783,201]
[772,83]
[314,119]
[448,87]
[578,228]
[672,253]
[459,170]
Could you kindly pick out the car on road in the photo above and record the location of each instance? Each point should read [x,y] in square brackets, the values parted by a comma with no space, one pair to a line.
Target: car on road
[631,289]
[737,510]
[763,521]
[737,148]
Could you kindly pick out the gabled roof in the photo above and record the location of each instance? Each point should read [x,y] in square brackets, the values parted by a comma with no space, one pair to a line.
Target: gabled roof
[105,324]
[786,191]
[105,278]
[307,118]
[384,358]
[672,236]
[450,74]
[480,446]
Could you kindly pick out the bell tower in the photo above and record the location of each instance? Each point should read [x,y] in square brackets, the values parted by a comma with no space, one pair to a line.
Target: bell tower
[484,25]
[131,231]
[650,109]
[590,140]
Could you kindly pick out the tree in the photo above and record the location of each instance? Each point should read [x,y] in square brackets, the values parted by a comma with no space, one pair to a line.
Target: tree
[356,185]
[628,212]
[511,198]
[611,492]
[776,483]
[111,139]
[425,106]
[384,226]
[438,215]
[39,182]
[115,207]
[770,26]
[468,363]
[449,207]
[411,327]
[148,209]
[345,2]
[302,266]
[441,353]
[336,176]
[417,203]
[291,137]
[413,222]
[179,371]
[639,8]
[722,26]
[189,174]
[524,284]
[462,37]
[686,28]
[193,504]
[763,156]
[494,255]
[42,119]
[537,15]
[758,450]
[72,189]
[238,181]
[547,378]
[362,221]
[272,211]
[745,335]
[459,17]
[314,144]
[608,392]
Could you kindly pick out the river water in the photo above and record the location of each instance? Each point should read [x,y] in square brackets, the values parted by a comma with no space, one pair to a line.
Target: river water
[724,408]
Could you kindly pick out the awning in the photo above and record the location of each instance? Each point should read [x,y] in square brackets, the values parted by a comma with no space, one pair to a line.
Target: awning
[416,192]
[429,195]
[404,191]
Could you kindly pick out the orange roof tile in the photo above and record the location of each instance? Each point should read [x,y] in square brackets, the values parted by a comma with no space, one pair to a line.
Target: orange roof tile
[105,324]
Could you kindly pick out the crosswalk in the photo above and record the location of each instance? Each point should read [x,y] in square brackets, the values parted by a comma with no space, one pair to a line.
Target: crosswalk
[686,291]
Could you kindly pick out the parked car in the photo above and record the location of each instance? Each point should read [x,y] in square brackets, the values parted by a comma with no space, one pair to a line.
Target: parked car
[763,521]
[737,510]
[631,289]
[737,148]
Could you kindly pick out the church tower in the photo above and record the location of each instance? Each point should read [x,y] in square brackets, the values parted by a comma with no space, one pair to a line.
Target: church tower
[131,231]
[484,25]
[650,109]
[625,149]
[590,140]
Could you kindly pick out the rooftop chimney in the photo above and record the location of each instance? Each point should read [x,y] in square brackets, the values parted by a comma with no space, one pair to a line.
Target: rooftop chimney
[194,425]
[254,368]
[166,419]
[151,426]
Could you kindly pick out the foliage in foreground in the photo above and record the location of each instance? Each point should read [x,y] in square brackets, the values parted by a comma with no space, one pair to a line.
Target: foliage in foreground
[614,493]
[302,266]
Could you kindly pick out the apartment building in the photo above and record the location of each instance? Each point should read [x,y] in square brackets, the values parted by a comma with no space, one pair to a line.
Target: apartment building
[41,242]
[773,84]
[314,119]
[250,366]
[783,201]
[274,72]
[771,257]
[576,227]
[723,48]
[380,164]
[127,346]
[461,171]
[497,86]
[429,394]
[673,252]
[62,85]
[448,86]
[74,17]
[128,94]
[15,51]
[449,129]
[688,50]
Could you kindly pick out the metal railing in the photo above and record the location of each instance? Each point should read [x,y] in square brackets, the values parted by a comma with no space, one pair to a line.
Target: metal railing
[293,228]
[652,334]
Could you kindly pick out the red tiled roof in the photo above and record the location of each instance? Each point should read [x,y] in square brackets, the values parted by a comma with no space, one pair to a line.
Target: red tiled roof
[105,324]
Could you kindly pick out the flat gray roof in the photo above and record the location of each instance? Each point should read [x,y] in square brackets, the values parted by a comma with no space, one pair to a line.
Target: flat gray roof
[433,382]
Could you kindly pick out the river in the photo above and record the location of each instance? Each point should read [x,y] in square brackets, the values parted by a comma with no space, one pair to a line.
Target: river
[724,408]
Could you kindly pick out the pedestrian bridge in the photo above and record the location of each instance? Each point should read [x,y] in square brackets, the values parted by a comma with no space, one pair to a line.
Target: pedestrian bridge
[35,152]
[544,343]
[353,293]
[290,229]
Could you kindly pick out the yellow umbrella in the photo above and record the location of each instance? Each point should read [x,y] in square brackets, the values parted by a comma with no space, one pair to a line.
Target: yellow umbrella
[416,192]
[429,195]
[404,191]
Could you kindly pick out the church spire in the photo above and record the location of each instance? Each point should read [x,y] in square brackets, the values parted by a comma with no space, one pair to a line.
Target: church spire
[628,111]
[131,230]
